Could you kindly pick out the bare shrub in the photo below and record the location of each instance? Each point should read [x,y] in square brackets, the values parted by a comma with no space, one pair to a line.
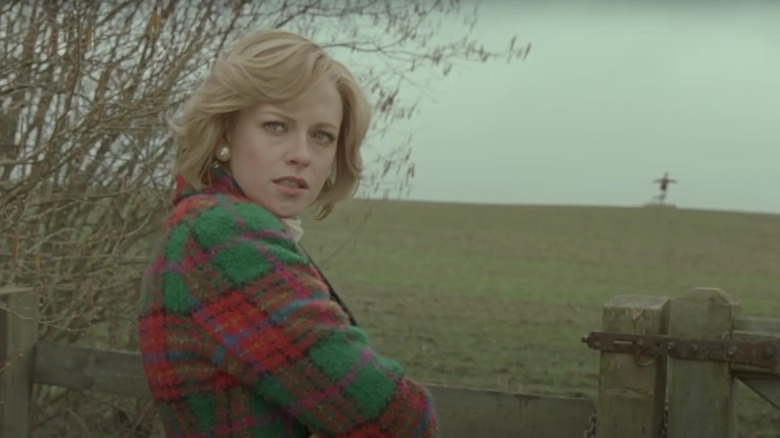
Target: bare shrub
[84,156]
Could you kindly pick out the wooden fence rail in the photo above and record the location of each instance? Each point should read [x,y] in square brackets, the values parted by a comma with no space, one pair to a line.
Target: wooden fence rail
[463,412]
[665,364]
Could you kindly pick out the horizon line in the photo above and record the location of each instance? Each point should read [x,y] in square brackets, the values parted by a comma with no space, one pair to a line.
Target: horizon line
[669,206]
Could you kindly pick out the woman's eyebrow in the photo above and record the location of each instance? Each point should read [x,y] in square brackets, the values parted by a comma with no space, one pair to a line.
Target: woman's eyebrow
[327,125]
[277,113]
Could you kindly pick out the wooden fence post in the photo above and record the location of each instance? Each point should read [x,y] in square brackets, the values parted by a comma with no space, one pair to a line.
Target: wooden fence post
[765,382]
[631,393]
[18,337]
[702,393]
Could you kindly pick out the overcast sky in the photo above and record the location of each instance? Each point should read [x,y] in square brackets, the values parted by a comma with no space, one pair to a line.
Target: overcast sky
[610,97]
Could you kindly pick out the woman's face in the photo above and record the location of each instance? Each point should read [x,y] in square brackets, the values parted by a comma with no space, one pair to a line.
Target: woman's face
[282,155]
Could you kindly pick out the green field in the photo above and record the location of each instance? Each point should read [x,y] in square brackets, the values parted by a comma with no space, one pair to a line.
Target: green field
[499,297]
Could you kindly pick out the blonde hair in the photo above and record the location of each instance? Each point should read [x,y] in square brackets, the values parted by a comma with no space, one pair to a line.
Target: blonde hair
[270,66]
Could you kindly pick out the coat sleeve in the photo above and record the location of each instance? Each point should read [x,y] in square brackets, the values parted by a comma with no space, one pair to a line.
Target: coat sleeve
[269,321]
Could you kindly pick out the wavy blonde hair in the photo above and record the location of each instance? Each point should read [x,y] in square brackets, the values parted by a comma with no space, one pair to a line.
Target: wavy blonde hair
[270,66]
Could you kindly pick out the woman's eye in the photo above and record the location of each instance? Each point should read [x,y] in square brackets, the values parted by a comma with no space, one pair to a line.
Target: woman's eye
[325,138]
[274,126]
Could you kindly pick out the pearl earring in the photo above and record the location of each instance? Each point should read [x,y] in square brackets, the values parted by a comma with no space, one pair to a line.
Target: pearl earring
[223,153]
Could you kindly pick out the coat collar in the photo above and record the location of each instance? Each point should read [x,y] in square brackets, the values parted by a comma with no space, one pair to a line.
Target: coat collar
[220,181]
[223,183]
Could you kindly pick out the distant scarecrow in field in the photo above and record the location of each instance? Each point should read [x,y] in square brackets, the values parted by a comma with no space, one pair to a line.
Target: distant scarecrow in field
[664,186]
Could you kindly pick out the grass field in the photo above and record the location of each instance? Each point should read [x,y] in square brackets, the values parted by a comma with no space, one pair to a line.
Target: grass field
[499,296]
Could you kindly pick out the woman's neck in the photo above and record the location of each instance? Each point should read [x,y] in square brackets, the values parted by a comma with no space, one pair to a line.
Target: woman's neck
[294,227]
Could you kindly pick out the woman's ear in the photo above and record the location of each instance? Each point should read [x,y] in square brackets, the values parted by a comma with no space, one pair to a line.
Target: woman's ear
[228,126]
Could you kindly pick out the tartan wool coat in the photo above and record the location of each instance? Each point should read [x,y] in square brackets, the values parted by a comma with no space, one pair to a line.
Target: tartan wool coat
[242,336]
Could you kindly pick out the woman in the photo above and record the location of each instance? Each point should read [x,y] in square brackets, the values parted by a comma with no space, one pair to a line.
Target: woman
[241,335]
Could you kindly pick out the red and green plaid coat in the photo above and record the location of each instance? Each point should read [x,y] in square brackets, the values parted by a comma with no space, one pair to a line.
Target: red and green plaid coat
[241,336]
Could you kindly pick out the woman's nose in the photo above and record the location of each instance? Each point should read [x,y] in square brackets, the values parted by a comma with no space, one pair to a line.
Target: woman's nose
[299,149]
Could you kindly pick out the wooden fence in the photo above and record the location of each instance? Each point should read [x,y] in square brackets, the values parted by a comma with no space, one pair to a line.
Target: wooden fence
[672,364]
[463,412]
[685,351]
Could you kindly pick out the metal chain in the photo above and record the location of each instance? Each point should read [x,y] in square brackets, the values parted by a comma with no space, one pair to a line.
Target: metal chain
[590,432]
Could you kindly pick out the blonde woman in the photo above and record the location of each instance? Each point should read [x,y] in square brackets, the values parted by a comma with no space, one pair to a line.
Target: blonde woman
[241,334]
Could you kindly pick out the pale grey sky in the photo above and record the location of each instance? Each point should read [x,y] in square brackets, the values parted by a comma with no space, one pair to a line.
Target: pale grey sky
[610,97]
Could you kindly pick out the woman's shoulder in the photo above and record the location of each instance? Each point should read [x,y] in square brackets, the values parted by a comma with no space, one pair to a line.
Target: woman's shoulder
[239,240]
[222,214]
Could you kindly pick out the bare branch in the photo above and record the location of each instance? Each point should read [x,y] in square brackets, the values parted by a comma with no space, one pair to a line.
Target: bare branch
[84,157]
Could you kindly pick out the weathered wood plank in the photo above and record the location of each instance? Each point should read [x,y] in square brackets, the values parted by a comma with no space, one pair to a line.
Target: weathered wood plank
[737,369]
[758,336]
[760,325]
[765,383]
[18,336]
[632,388]
[90,369]
[468,413]
[767,386]
[463,412]
[701,390]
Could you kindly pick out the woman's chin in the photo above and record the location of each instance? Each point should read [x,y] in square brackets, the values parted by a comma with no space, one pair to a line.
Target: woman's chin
[285,211]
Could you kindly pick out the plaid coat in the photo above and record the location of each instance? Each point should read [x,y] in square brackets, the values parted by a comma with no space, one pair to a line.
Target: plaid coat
[241,335]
